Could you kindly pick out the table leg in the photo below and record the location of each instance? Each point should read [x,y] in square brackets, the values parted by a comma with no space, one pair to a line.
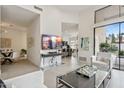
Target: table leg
[57,82]
[103,83]
[3,62]
[94,81]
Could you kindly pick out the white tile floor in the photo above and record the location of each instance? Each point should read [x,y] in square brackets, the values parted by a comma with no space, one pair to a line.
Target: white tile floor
[116,64]
[50,75]
[117,80]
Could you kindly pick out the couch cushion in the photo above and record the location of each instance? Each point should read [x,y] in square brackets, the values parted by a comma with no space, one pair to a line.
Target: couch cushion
[101,65]
[103,56]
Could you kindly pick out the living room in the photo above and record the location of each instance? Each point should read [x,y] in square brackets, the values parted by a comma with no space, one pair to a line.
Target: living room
[86,36]
[51,20]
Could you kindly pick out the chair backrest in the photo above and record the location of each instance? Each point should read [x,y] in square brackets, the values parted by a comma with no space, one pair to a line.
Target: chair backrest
[82,59]
[15,55]
[103,56]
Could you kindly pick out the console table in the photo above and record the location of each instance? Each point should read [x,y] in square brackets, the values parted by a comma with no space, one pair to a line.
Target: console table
[52,57]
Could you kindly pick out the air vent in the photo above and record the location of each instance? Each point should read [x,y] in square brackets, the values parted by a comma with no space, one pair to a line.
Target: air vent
[38,8]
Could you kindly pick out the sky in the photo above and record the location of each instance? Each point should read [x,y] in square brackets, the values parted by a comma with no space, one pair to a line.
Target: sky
[114,28]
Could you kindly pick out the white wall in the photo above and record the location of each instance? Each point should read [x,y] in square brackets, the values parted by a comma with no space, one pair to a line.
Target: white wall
[100,37]
[34,50]
[86,30]
[18,39]
[53,19]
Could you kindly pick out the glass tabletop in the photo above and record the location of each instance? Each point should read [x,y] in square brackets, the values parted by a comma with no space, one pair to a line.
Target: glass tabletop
[72,79]
[100,77]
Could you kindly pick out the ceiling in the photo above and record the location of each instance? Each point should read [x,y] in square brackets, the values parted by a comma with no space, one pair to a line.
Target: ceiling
[76,8]
[13,14]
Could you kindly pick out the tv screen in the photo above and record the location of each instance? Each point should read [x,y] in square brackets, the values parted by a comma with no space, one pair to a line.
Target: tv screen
[51,42]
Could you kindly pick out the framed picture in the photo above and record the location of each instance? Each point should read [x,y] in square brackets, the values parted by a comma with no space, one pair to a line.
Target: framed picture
[85,43]
[30,42]
[6,42]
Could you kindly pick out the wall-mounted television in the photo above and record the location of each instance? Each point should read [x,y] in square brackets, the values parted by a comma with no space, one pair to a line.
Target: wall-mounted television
[51,42]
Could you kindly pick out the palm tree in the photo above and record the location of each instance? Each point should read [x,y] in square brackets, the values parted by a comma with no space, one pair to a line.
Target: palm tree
[113,38]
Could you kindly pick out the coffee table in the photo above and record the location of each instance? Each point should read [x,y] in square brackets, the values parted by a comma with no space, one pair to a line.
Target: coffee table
[74,80]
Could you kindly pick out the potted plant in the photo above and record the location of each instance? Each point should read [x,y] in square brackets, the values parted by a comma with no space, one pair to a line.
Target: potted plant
[23,52]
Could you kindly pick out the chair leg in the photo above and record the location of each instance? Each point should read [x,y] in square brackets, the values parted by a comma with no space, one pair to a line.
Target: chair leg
[10,61]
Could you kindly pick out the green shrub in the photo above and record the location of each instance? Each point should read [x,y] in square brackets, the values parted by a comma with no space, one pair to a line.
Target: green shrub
[121,53]
[104,47]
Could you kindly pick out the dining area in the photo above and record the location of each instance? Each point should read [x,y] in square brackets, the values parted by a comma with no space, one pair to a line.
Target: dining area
[14,63]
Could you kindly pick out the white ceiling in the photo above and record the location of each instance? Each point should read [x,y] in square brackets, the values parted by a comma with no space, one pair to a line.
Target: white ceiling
[16,15]
[76,8]
[12,14]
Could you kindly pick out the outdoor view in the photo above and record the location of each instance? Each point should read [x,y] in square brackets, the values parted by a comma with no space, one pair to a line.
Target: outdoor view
[108,39]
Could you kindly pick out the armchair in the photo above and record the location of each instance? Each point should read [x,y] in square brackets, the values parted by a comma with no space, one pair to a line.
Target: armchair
[103,61]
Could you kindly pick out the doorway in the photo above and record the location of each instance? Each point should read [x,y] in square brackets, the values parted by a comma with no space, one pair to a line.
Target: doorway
[20,41]
[70,41]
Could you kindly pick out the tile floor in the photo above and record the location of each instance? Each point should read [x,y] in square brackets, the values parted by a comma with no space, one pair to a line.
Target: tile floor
[50,74]
[117,80]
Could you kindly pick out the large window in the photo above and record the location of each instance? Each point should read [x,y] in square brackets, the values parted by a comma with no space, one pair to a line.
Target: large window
[109,12]
[110,38]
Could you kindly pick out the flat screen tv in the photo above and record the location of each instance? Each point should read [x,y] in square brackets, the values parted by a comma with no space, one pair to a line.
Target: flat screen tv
[51,42]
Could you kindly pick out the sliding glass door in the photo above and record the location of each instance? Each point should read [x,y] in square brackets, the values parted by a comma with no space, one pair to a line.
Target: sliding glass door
[107,40]
[121,53]
[110,38]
